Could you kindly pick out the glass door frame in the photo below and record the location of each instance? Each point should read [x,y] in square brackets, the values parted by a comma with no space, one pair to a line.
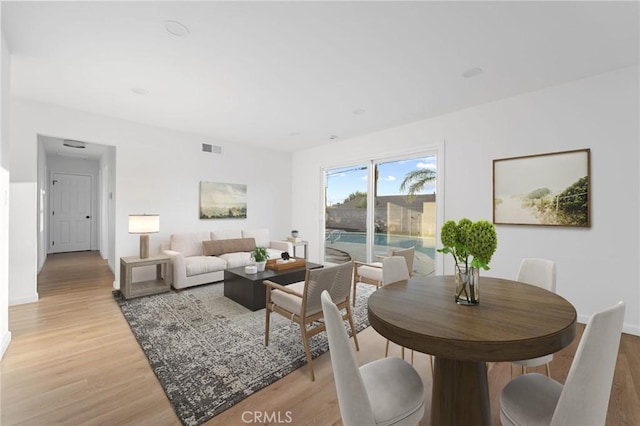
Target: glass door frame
[436,150]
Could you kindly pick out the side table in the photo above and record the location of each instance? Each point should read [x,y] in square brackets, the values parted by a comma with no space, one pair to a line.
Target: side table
[130,288]
[303,244]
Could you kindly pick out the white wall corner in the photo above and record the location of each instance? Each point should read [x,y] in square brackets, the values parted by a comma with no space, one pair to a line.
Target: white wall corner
[4,344]
[630,329]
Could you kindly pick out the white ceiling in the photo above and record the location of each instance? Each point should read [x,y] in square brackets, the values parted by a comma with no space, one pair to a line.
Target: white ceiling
[289,75]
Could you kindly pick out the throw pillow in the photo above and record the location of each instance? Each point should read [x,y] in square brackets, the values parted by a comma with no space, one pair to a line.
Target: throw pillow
[233,245]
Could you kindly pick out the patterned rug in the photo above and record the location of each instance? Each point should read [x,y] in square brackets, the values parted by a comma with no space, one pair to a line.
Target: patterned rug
[199,344]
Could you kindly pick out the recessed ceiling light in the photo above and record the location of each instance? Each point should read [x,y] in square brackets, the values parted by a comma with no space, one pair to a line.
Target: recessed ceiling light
[73,144]
[176,28]
[358,111]
[472,72]
[139,91]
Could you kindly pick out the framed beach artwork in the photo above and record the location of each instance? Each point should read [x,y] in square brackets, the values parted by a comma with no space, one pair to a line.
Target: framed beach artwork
[223,200]
[551,189]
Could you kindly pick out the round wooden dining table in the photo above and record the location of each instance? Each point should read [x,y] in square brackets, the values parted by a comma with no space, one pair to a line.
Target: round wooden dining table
[514,321]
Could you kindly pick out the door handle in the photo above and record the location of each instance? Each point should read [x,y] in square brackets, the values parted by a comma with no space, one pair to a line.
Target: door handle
[88,217]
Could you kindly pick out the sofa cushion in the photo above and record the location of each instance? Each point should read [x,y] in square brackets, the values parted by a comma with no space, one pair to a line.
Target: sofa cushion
[260,235]
[189,244]
[234,245]
[274,254]
[235,260]
[196,265]
[225,234]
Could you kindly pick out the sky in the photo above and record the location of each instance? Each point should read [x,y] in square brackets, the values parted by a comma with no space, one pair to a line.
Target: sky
[343,181]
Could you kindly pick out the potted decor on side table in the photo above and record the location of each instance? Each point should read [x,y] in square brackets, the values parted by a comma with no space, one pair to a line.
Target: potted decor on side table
[472,245]
[260,256]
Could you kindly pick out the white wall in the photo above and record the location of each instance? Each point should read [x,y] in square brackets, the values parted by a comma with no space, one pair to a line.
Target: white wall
[5,334]
[23,243]
[108,163]
[597,266]
[42,216]
[156,171]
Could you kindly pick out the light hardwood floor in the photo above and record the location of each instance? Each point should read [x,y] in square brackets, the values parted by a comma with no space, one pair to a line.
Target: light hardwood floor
[74,360]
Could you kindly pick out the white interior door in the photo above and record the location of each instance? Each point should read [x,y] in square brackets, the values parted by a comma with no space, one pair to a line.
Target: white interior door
[71,217]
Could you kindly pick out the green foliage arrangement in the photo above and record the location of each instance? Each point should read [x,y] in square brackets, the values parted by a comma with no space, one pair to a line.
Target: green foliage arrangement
[260,254]
[466,239]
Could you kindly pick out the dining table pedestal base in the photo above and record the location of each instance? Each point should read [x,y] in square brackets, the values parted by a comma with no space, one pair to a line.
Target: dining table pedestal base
[460,393]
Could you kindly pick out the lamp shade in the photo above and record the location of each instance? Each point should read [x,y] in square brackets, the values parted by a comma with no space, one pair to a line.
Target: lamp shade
[144,223]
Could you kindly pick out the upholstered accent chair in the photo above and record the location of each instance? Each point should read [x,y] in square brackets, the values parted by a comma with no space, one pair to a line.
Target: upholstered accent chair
[387,391]
[534,399]
[371,273]
[541,273]
[300,302]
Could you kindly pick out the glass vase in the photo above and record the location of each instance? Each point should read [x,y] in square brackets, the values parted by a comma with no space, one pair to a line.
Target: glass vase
[467,280]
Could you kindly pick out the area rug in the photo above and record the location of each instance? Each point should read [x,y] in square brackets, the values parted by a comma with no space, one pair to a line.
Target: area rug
[208,351]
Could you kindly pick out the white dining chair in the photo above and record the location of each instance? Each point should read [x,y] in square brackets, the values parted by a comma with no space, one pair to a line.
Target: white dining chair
[394,269]
[387,391]
[534,399]
[541,273]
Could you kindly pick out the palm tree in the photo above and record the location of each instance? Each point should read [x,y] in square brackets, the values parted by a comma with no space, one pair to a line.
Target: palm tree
[415,180]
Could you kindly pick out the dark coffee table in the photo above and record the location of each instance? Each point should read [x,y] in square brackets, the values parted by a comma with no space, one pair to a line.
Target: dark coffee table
[248,290]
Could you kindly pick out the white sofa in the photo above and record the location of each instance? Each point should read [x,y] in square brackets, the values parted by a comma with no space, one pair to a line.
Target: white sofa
[193,262]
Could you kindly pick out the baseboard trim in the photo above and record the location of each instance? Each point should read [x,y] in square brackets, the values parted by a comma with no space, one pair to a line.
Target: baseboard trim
[4,345]
[23,300]
[630,329]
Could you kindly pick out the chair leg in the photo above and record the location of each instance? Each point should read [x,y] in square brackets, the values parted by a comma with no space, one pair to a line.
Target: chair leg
[307,351]
[353,327]
[402,352]
[548,369]
[431,362]
[411,356]
[511,369]
[523,370]
[266,329]
[355,285]
[386,349]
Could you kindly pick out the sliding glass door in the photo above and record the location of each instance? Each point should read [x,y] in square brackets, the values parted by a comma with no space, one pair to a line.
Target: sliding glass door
[381,205]
[346,214]
[405,210]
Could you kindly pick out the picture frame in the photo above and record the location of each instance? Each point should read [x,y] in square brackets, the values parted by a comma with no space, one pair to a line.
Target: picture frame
[223,200]
[551,189]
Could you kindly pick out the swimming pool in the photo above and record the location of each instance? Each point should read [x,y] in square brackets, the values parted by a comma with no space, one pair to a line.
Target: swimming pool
[421,244]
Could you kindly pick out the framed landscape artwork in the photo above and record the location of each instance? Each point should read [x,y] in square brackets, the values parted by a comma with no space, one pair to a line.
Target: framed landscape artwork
[548,189]
[223,200]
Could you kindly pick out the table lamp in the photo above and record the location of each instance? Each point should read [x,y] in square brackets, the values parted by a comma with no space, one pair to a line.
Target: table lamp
[144,224]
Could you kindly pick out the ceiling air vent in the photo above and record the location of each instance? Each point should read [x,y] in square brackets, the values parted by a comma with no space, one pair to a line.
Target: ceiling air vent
[216,149]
